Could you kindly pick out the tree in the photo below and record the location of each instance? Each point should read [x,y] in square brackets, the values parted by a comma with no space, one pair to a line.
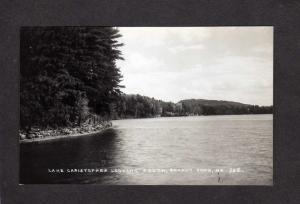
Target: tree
[67,71]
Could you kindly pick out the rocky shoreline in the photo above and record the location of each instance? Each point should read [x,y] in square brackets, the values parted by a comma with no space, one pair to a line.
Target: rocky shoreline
[38,135]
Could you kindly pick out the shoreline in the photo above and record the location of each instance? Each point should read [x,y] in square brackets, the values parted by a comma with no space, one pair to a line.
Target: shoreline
[90,133]
[48,138]
[132,118]
[37,135]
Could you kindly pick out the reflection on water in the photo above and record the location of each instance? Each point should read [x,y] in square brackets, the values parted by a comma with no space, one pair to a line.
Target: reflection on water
[146,145]
[94,151]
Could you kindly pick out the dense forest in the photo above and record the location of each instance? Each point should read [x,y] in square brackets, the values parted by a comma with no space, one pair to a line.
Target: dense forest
[137,106]
[67,75]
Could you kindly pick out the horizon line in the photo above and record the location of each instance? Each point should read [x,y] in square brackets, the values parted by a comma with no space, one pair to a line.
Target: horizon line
[195,99]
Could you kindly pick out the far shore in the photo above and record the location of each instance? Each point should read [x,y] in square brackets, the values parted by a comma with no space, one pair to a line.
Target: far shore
[47,138]
[178,116]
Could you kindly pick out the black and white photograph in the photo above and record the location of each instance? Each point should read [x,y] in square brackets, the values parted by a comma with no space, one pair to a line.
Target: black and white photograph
[146,105]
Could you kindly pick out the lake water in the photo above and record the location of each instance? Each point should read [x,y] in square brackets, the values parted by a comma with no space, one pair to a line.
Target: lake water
[196,150]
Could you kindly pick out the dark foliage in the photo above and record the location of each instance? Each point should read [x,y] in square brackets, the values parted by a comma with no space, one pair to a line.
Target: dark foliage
[67,73]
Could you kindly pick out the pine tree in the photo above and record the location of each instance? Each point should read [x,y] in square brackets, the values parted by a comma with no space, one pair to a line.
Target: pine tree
[64,69]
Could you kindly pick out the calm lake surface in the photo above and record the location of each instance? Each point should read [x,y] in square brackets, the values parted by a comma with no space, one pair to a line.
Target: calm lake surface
[159,151]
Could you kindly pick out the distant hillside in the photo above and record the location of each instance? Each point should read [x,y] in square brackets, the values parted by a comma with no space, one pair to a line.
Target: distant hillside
[204,102]
[137,106]
[215,107]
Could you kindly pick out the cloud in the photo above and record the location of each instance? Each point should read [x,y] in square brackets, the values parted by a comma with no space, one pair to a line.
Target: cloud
[224,63]
[138,63]
[182,48]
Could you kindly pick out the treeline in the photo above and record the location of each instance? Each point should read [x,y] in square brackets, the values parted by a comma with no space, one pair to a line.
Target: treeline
[67,74]
[215,107]
[137,106]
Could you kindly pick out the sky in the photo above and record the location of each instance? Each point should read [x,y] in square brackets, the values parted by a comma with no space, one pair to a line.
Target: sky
[216,63]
